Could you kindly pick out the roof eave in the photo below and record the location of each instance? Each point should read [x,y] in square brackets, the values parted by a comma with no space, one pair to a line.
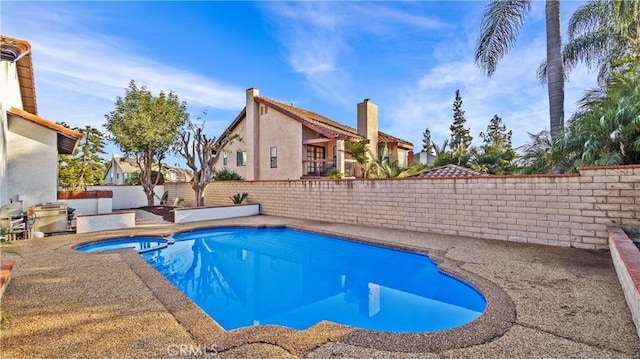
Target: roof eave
[67,138]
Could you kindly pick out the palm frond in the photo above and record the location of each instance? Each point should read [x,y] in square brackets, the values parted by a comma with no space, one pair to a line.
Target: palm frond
[587,18]
[499,30]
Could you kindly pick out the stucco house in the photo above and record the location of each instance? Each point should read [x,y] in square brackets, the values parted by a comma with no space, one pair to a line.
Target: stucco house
[29,144]
[121,170]
[272,140]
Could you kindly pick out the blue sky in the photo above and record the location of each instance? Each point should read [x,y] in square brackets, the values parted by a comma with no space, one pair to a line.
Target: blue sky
[408,57]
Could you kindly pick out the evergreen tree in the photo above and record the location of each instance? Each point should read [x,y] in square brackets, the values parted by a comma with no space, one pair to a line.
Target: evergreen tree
[497,134]
[427,144]
[496,155]
[84,167]
[460,137]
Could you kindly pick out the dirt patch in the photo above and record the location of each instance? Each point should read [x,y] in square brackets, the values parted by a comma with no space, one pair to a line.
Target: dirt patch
[167,213]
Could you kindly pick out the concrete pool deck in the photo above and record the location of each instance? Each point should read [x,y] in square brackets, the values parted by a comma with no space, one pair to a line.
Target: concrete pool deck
[547,302]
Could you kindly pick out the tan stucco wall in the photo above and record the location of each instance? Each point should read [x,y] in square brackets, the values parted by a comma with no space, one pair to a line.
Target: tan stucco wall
[566,210]
[284,133]
[238,144]
[32,162]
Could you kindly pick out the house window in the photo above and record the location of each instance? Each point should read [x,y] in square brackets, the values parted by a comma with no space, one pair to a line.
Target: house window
[274,157]
[224,159]
[241,157]
[263,110]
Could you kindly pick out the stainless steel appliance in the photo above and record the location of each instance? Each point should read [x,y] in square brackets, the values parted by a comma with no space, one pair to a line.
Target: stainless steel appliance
[50,217]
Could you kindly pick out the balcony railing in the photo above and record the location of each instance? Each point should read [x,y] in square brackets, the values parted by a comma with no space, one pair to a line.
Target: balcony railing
[321,168]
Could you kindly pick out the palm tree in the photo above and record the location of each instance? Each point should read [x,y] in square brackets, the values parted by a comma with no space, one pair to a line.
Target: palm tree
[501,24]
[607,127]
[603,35]
[438,150]
[544,155]
[359,150]
[383,166]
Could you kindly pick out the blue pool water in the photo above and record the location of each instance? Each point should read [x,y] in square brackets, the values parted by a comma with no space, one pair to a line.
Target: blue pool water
[245,276]
[140,244]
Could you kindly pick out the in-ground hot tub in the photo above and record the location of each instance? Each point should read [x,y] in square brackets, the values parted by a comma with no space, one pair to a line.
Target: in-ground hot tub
[140,244]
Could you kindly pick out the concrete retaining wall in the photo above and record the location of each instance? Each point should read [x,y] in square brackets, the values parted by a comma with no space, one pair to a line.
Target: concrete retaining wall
[105,222]
[184,215]
[560,210]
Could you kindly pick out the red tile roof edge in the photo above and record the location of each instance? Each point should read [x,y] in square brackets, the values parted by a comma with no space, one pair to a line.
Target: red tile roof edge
[44,122]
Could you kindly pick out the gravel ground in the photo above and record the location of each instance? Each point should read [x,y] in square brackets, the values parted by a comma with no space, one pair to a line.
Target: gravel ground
[542,302]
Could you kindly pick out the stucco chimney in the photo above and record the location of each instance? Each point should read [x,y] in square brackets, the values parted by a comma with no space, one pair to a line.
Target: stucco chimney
[368,123]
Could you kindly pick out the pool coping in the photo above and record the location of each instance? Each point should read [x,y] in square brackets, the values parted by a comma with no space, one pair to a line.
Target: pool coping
[497,319]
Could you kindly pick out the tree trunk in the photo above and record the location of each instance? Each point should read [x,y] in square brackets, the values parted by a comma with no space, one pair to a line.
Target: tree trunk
[555,68]
[199,192]
[150,195]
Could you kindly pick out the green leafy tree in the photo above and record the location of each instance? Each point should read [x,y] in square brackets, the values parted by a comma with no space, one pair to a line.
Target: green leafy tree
[496,155]
[146,127]
[501,24]
[84,167]
[460,136]
[427,144]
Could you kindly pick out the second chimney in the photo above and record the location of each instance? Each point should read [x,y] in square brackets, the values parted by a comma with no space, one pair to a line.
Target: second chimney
[368,123]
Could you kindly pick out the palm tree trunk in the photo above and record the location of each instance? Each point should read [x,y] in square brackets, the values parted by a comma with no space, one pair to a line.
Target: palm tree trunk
[555,68]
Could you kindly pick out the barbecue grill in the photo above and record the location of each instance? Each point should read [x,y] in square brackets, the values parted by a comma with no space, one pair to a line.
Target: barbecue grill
[50,217]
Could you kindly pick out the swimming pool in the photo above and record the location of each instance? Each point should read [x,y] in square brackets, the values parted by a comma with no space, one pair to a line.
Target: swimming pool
[247,276]
[140,244]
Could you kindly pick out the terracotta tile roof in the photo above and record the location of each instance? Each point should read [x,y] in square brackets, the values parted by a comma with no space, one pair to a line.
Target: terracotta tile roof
[19,51]
[67,138]
[452,171]
[312,120]
[326,126]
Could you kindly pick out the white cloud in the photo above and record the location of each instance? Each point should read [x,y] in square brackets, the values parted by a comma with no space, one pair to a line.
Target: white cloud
[80,72]
[513,93]
[320,39]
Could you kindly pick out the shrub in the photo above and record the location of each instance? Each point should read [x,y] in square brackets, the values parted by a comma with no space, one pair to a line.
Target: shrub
[226,175]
